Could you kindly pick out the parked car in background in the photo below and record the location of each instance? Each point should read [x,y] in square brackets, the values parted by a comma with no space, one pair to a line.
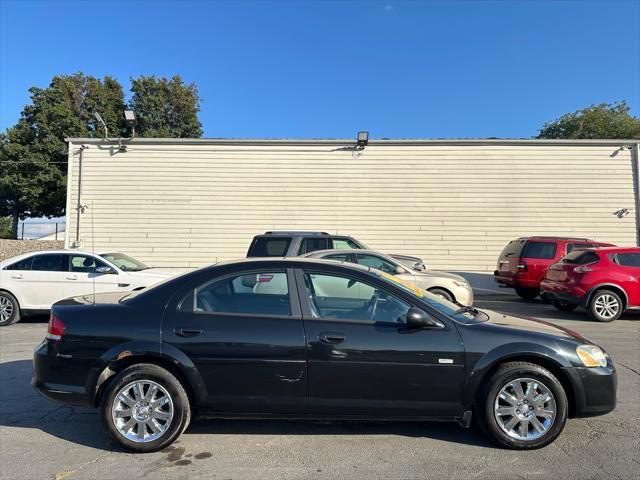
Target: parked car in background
[294,243]
[446,285]
[606,281]
[377,348]
[524,261]
[31,283]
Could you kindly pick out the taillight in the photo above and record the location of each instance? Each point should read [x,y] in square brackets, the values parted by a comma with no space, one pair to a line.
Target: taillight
[583,269]
[522,267]
[55,330]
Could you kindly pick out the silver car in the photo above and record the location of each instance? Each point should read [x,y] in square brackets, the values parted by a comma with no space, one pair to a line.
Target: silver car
[446,285]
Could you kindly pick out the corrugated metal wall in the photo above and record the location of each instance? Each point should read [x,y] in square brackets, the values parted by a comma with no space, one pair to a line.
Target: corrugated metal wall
[456,206]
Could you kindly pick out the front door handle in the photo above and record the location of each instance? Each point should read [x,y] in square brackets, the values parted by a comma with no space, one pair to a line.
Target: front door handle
[332,338]
[17,276]
[188,332]
[72,277]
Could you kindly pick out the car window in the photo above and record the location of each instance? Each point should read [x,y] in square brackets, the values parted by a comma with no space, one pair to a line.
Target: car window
[342,243]
[542,250]
[257,293]
[572,246]
[628,259]
[125,262]
[343,298]
[376,262]
[84,264]
[53,262]
[314,244]
[580,257]
[24,264]
[338,257]
[270,247]
[513,249]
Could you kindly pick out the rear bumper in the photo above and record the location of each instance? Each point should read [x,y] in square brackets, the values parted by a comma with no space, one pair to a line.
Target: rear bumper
[519,280]
[550,290]
[48,375]
[594,390]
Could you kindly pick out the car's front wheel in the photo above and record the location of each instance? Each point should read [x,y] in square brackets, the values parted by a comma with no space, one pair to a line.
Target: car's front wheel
[441,292]
[605,306]
[523,406]
[145,408]
[9,309]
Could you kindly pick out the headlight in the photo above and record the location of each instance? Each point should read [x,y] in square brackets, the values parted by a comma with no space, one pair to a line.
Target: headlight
[461,284]
[591,356]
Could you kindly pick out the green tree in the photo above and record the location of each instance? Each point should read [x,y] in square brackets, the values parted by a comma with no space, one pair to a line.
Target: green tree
[33,153]
[597,121]
[165,107]
[5,227]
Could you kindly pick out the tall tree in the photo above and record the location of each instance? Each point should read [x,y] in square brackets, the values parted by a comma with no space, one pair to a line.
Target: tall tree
[33,153]
[597,121]
[166,107]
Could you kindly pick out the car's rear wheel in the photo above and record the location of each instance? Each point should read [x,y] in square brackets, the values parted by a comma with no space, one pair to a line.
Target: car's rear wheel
[527,293]
[523,406]
[605,306]
[442,293]
[564,306]
[9,309]
[145,408]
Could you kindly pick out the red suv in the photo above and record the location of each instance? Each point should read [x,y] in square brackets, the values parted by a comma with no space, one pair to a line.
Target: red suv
[606,281]
[524,261]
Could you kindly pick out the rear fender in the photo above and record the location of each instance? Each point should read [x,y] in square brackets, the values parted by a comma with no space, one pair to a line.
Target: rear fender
[120,356]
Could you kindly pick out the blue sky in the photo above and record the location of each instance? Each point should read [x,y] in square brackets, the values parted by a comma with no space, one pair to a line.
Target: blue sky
[327,69]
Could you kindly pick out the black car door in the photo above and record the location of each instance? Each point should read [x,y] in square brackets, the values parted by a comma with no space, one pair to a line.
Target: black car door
[244,334]
[364,360]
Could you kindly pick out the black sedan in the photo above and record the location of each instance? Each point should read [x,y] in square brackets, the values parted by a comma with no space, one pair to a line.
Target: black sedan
[301,338]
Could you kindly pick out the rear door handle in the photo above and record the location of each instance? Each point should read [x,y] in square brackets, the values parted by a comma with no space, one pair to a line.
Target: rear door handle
[17,275]
[188,332]
[332,338]
[72,277]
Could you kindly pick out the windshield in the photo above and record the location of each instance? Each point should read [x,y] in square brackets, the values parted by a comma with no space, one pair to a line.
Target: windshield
[454,310]
[124,262]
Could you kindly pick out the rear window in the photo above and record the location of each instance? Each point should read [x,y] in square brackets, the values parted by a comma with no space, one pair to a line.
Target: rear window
[269,247]
[574,246]
[580,257]
[24,264]
[546,250]
[628,259]
[513,249]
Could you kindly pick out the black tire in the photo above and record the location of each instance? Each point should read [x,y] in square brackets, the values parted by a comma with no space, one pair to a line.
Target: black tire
[604,295]
[527,293]
[505,374]
[176,392]
[12,303]
[564,306]
[441,292]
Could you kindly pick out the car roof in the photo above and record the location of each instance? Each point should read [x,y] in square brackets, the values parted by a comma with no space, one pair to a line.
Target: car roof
[550,237]
[292,261]
[22,256]
[345,251]
[616,249]
[293,232]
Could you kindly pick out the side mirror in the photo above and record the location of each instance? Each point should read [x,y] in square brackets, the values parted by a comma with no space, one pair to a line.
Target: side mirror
[417,317]
[400,270]
[102,270]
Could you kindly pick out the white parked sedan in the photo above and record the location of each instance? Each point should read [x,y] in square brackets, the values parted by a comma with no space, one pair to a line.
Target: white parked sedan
[31,283]
[446,285]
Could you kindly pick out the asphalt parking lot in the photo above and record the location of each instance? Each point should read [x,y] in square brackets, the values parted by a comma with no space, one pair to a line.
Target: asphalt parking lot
[40,439]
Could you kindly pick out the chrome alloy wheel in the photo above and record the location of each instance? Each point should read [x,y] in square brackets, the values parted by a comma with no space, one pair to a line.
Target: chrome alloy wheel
[607,306]
[6,309]
[142,411]
[525,409]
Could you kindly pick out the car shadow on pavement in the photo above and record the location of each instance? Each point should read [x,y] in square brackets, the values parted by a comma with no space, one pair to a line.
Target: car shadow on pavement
[22,407]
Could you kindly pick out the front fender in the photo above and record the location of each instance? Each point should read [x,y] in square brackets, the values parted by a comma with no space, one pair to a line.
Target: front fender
[508,352]
[125,354]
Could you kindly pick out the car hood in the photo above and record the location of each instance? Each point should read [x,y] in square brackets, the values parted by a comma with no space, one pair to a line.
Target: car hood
[438,274]
[532,325]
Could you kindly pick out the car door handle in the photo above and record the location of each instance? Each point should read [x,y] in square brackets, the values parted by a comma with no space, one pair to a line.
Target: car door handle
[332,338]
[72,277]
[17,275]
[188,332]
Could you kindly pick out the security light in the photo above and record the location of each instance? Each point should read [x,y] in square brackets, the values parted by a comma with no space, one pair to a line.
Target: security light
[363,139]
[130,119]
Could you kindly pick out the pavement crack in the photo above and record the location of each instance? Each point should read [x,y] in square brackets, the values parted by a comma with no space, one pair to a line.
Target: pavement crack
[64,474]
[629,368]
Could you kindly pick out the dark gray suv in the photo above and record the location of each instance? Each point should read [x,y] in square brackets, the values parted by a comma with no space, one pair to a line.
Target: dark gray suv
[294,243]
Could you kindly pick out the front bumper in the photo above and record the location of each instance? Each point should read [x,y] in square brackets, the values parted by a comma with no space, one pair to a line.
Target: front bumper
[594,389]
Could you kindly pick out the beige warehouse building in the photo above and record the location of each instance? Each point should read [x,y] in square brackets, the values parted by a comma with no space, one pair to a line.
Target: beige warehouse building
[186,203]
